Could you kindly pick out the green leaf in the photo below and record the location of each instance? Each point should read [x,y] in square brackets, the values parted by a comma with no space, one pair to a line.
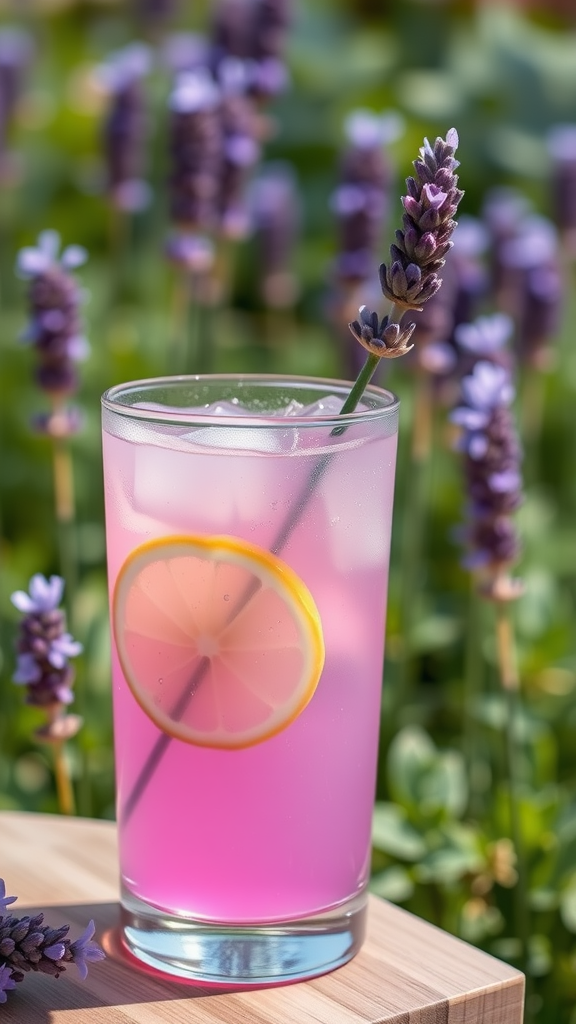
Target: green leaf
[410,758]
[394,884]
[428,782]
[393,833]
[568,906]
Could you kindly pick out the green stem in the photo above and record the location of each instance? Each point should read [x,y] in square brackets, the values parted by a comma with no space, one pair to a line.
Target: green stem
[511,687]
[65,509]
[473,667]
[362,381]
[63,781]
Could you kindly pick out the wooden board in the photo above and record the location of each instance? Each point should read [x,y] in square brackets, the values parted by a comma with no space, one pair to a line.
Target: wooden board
[408,972]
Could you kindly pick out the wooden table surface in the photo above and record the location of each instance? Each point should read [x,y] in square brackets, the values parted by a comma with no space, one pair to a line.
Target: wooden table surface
[408,972]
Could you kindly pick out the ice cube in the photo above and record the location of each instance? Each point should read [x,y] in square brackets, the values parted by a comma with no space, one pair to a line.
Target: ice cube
[359,521]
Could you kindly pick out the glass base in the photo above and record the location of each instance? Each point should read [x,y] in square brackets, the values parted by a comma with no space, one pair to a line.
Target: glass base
[243,955]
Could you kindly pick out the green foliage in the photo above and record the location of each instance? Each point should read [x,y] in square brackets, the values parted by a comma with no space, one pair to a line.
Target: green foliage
[442,818]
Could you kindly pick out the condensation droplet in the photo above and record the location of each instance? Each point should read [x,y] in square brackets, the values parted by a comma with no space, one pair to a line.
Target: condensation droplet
[226,597]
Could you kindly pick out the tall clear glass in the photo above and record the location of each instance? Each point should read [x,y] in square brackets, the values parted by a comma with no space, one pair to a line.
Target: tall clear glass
[248,537]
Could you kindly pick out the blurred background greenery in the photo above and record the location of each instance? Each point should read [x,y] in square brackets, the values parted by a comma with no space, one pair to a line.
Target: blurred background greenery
[504,75]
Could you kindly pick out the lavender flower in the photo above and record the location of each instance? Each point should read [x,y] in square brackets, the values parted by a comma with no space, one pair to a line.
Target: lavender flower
[484,339]
[533,261]
[15,55]
[55,329]
[241,149]
[7,981]
[253,31]
[83,951]
[422,244]
[562,149]
[196,147]
[43,644]
[383,338]
[125,129]
[541,313]
[492,466]
[27,944]
[271,21]
[230,33]
[504,210]
[181,52]
[5,900]
[360,200]
[420,249]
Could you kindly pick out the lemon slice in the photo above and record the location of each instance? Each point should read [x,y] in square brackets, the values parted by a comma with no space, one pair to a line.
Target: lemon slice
[219,640]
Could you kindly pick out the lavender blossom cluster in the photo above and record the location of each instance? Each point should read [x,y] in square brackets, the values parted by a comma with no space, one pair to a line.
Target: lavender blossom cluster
[216,125]
[492,459]
[361,198]
[412,276]
[43,645]
[254,32]
[125,129]
[27,944]
[55,328]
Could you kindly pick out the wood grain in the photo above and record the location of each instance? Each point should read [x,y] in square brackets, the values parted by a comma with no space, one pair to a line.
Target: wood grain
[408,972]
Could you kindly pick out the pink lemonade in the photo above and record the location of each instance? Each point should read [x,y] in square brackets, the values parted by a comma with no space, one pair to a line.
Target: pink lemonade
[279,830]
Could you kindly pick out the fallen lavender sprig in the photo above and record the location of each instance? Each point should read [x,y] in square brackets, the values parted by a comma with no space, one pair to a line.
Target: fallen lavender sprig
[27,944]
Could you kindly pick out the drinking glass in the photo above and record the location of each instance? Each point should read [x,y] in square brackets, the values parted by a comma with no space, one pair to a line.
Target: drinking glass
[248,535]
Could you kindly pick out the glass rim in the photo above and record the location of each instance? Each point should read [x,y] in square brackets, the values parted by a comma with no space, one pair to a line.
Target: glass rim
[111,403]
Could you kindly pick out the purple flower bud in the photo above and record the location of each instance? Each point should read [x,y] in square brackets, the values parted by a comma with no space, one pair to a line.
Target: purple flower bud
[492,466]
[28,944]
[429,205]
[7,982]
[5,900]
[54,299]
[44,647]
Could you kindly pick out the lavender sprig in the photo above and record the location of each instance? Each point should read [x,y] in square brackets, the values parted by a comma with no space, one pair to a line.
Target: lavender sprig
[419,253]
[361,198]
[125,129]
[55,328]
[562,150]
[492,458]
[270,24]
[240,148]
[423,242]
[196,151]
[43,645]
[16,52]
[55,331]
[27,944]
[44,648]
